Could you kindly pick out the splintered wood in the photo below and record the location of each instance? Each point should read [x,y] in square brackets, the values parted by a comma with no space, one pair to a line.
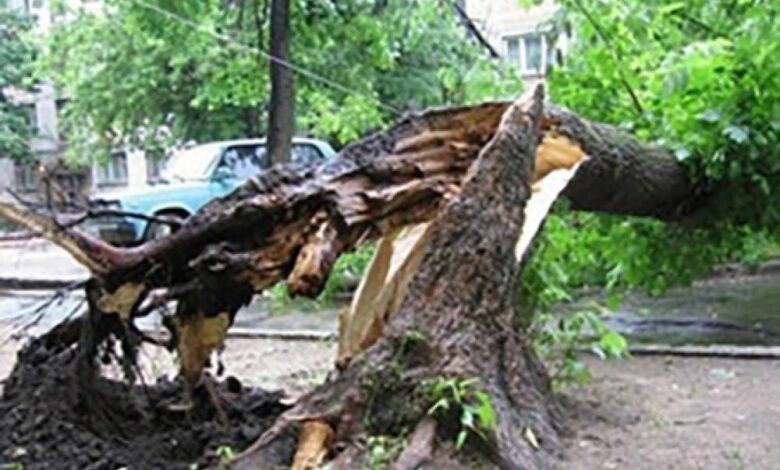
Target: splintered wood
[397,256]
[292,223]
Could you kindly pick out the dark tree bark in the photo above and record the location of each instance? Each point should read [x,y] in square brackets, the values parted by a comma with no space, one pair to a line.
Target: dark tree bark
[460,309]
[282,112]
[292,223]
[624,175]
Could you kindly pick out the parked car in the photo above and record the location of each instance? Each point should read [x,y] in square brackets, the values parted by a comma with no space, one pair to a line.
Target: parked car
[191,178]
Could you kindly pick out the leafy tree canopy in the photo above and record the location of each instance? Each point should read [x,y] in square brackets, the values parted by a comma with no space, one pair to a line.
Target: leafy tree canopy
[700,77]
[16,59]
[136,74]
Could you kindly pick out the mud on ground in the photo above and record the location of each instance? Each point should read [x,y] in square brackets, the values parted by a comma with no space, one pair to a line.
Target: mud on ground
[44,425]
[677,413]
[641,413]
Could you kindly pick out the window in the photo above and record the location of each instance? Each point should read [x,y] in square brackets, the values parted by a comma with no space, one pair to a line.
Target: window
[513,50]
[532,53]
[552,57]
[154,164]
[26,177]
[245,161]
[114,171]
[306,154]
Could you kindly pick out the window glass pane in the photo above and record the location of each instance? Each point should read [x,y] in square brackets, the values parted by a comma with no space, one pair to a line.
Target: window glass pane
[120,167]
[513,50]
[552,55]
[26,177]
[533,52]
[243,161]
[154,163]
[307,154]
[114,171]
[102,174]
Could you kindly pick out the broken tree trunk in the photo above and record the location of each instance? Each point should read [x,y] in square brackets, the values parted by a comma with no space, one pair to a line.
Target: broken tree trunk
[293,222]
[456,324]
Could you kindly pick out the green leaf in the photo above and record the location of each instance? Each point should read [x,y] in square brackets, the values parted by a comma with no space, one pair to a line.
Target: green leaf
[461,439]
[613,344]
[737,134]
[442,404]
[487,415]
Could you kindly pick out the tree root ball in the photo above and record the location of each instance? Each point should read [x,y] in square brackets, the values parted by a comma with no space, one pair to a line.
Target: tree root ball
[49,420]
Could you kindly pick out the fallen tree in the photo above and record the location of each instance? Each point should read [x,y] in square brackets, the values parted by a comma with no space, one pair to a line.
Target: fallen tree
[466,171]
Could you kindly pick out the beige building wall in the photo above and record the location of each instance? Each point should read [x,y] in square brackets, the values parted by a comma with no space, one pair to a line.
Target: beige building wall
[47,144]
[520,35]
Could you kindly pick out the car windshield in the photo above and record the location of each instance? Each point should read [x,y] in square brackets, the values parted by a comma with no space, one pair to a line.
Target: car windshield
[191,163]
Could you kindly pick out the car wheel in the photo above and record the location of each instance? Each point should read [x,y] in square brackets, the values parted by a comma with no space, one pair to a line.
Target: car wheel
[157,230]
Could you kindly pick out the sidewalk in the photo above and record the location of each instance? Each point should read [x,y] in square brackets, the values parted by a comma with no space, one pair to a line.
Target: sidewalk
[38,259]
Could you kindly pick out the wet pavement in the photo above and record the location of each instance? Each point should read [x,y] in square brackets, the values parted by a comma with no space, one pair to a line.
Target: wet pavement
[732,309]
[737,311]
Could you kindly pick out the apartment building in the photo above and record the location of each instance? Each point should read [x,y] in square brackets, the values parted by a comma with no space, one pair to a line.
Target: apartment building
[522,36]
[126,167]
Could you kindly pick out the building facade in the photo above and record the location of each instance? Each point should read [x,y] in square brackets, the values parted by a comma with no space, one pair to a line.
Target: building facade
[523,36]
[126,167]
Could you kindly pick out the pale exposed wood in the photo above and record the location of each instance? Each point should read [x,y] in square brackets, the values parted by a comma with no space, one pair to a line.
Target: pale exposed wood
[356,319]
[555,152]
[122,301]
[383,287]
[199,337]
[313,444]
[381,290]
[546,191]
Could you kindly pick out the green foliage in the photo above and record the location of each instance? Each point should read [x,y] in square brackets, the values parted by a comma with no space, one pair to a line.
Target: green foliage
[580,250]
[225,454]
[706,89]
[12,466]
[558,339]
[383,451]
[16,59]
[348,268]
[706,75]
[472,406]
[137,75]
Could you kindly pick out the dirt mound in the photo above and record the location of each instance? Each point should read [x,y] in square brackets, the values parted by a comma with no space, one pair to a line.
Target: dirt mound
[46,424]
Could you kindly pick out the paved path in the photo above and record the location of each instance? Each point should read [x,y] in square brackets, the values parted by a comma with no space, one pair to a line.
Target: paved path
[38,259]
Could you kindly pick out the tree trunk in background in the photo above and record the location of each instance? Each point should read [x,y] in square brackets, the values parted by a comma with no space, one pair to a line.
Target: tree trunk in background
[282,113]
